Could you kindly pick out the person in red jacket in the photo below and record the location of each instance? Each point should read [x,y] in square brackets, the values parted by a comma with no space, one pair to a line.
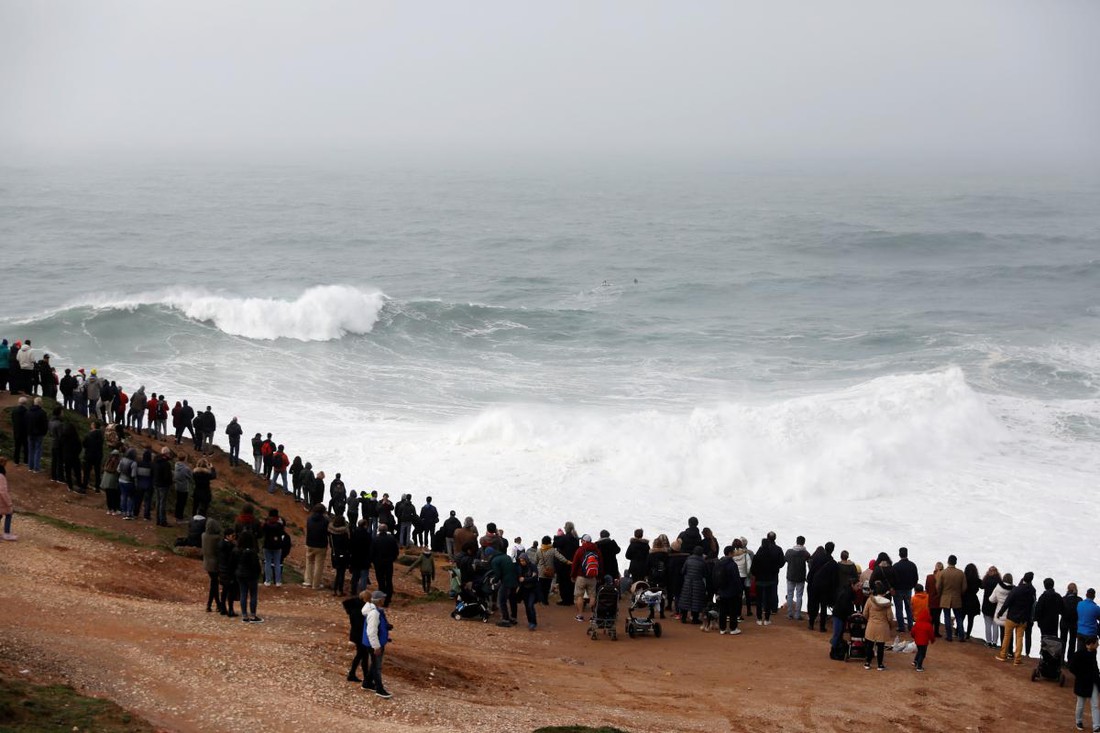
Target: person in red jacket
[922,631]
[585,572]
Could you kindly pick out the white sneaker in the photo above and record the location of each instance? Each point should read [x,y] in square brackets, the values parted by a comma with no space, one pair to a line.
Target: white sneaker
[767,623]
[267,583]
[735,632]
[10,537]
[759,622]
[722,632]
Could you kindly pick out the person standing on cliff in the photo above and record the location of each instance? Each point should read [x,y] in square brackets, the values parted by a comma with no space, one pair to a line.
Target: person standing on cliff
[384,552]
[234,432]
[767,562]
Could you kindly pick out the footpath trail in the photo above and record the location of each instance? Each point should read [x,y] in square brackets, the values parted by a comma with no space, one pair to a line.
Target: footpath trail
[107,606]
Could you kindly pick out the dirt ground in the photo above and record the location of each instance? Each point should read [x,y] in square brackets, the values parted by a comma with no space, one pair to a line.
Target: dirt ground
[127,622]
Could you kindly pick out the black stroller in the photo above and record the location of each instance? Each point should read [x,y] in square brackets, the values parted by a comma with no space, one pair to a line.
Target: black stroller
[856,645]
[1050,661]
[605,612]
[651,600]
[476,602]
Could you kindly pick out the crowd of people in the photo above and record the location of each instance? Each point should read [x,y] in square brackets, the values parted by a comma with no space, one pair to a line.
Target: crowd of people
[702,581]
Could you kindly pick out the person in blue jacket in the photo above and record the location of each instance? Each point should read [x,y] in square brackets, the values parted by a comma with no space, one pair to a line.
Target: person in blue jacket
[376,635]
[1088,617]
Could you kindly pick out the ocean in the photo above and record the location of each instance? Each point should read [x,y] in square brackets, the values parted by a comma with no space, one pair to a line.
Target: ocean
[877,360]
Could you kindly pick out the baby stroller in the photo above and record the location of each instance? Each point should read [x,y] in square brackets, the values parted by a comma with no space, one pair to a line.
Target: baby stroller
[642,597]
[605,612]
[1050,661]
[854,628]
[468,605]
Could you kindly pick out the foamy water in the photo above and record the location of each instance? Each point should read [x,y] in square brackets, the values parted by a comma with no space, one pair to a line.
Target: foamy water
[876,363]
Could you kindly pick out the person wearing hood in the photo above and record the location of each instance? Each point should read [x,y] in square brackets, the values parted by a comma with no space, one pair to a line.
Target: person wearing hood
[182,477]
[1018,607]
[47,377]
[637,555]
[585,572]
[305,481]
[1086,683]
[272,532]
[337,496]
[211,538]
[504,568]
[728,589]
[234,432]
[138,404]
[527,591]
[279,465]
[765,568]
[248,576]
[921,627]
[339,538]
[878,610]
[797,559]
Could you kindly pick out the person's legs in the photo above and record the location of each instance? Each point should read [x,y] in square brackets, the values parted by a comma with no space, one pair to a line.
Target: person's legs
[790,598]
[243,587]
[254,590]
[269,569]
[838,632]
[899,610]
[869,653]
[800,588]
[1006,640]
[359,660]
[1079,711]
[502,603]
[1095,707]
[948,627]
[823,611]
[212,595]
[959,633]
[724,606]
[529,598]
[918,661]
[1018,630]
[7,523]
[880,651]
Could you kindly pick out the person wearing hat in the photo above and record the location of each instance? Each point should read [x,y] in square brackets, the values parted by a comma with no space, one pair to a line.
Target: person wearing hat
[376,635]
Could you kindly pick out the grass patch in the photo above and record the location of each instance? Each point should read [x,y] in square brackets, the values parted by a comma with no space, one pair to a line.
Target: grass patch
[434,596]
[103,534]
[27,708]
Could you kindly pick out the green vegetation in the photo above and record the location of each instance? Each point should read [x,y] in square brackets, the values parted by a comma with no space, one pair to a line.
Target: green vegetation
[103,534]
[577,729]
[435,596]
[27,708]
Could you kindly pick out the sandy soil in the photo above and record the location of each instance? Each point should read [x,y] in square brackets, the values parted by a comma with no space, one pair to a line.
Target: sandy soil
[128,623]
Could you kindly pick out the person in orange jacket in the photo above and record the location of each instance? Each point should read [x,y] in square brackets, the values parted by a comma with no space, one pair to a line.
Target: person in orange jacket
[923,633]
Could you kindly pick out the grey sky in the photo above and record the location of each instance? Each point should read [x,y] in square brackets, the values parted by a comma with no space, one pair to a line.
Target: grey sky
[1002,79]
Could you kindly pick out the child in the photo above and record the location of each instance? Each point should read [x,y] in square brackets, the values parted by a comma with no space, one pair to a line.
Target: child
[427,570]
[1086,679]
[922,631]
[5,500]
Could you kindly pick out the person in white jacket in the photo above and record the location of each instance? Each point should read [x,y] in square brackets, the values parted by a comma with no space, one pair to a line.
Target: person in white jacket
[998,596]
[25,359]
[376,635]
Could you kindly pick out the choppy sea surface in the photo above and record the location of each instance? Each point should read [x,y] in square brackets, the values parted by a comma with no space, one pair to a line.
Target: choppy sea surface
[880,361]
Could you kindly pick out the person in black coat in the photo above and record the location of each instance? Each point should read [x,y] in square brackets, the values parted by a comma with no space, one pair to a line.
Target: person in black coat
[690,538]
[844,605]
[637,555]
[19,430]
[728,588]
[360,557]
[766,565]
[1068,627]
[1086,683]
[567,544]
[383,553]
[227,572]
[93,457]
[1048,609]
[450,524]
[906,578]
[70,457]
[353,607]
[821,581]
[609,554]
[1017,609]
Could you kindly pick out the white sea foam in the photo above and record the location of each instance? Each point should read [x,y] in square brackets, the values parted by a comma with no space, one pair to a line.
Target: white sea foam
[321,313]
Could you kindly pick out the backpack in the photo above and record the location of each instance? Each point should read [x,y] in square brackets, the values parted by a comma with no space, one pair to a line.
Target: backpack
[266,448]
[590,565]
[162,411]
[112,463]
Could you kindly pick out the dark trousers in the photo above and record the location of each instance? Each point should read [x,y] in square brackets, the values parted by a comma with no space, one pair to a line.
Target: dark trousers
[93,466]
[359,577]
[565,586]
[72,472]
[57,464]
[876,648]
[767,601]
[373,677]
[181,505]
[544,590]
[529,596]
[212,597]
[922,651]
[728,611]
[383,573]
[229,593]
[137,496]
[818,607]
[248,596]
[1069,640]
[234,453]
[341,569]
[19,438]
[359,660]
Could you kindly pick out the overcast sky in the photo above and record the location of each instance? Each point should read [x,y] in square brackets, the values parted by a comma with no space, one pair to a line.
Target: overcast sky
[1001,79]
